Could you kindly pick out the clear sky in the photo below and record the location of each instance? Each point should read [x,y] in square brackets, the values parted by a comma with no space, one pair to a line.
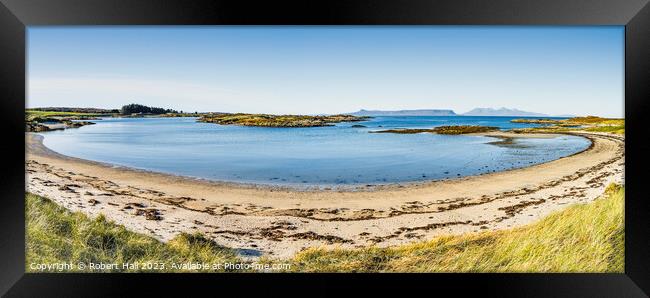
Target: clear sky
[314,70]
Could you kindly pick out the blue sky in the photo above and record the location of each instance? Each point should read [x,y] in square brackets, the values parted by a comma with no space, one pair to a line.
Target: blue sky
[312,70]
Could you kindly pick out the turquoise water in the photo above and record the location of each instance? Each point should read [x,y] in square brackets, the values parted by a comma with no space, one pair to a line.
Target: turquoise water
[306,157]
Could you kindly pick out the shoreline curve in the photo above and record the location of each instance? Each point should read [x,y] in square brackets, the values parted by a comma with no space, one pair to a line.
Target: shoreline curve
[35,145]
[279,222]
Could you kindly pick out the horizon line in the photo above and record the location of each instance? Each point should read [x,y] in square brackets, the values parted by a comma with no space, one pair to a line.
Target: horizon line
[359,110]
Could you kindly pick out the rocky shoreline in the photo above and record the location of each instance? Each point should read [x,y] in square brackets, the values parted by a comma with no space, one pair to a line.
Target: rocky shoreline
[56,123]
[266,120]
[443,130]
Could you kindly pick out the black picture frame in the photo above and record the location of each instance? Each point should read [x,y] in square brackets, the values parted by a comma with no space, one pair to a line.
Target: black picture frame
[15,15]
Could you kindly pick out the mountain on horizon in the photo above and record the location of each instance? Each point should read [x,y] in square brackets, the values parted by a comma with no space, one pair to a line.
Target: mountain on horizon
[423,112]
[502,112]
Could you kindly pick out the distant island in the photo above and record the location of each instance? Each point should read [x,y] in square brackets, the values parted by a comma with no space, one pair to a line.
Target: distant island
[428,112]
[502,112]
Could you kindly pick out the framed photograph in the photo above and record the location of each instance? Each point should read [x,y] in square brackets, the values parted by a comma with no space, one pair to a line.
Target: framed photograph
[306,148]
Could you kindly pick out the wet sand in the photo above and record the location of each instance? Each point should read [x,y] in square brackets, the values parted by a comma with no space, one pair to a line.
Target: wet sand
[278,222]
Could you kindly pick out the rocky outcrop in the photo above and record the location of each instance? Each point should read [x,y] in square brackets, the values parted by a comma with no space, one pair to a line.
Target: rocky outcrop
[266,120]
[47,124]
[445,130]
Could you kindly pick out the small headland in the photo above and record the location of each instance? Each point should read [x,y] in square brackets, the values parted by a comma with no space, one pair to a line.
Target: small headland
[588,123]
[38,120]
[444,130]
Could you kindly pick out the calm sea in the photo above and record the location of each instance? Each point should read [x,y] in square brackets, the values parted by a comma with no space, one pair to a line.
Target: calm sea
[306,157]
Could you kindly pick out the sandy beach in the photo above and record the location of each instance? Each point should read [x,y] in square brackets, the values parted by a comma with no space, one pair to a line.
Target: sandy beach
[278,222]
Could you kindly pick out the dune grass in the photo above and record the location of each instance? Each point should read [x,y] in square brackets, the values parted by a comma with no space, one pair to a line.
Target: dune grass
[56,235]
[581,238]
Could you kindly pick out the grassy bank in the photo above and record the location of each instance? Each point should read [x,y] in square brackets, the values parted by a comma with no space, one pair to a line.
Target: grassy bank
[589,123]
[35,114]
[35,119]
[56,235]
[581,238]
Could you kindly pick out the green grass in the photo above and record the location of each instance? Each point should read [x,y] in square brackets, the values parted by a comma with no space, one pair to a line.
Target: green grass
[44,114]
[616,129]
[35,117]
[536,121]
[581,238]
[588,123]
[53,113]
[56,235]
[595,120]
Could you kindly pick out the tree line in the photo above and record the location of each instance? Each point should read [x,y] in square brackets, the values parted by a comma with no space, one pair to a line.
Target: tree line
[137,109]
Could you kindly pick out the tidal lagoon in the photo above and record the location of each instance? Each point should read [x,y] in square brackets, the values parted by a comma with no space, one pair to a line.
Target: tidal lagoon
[343,155]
